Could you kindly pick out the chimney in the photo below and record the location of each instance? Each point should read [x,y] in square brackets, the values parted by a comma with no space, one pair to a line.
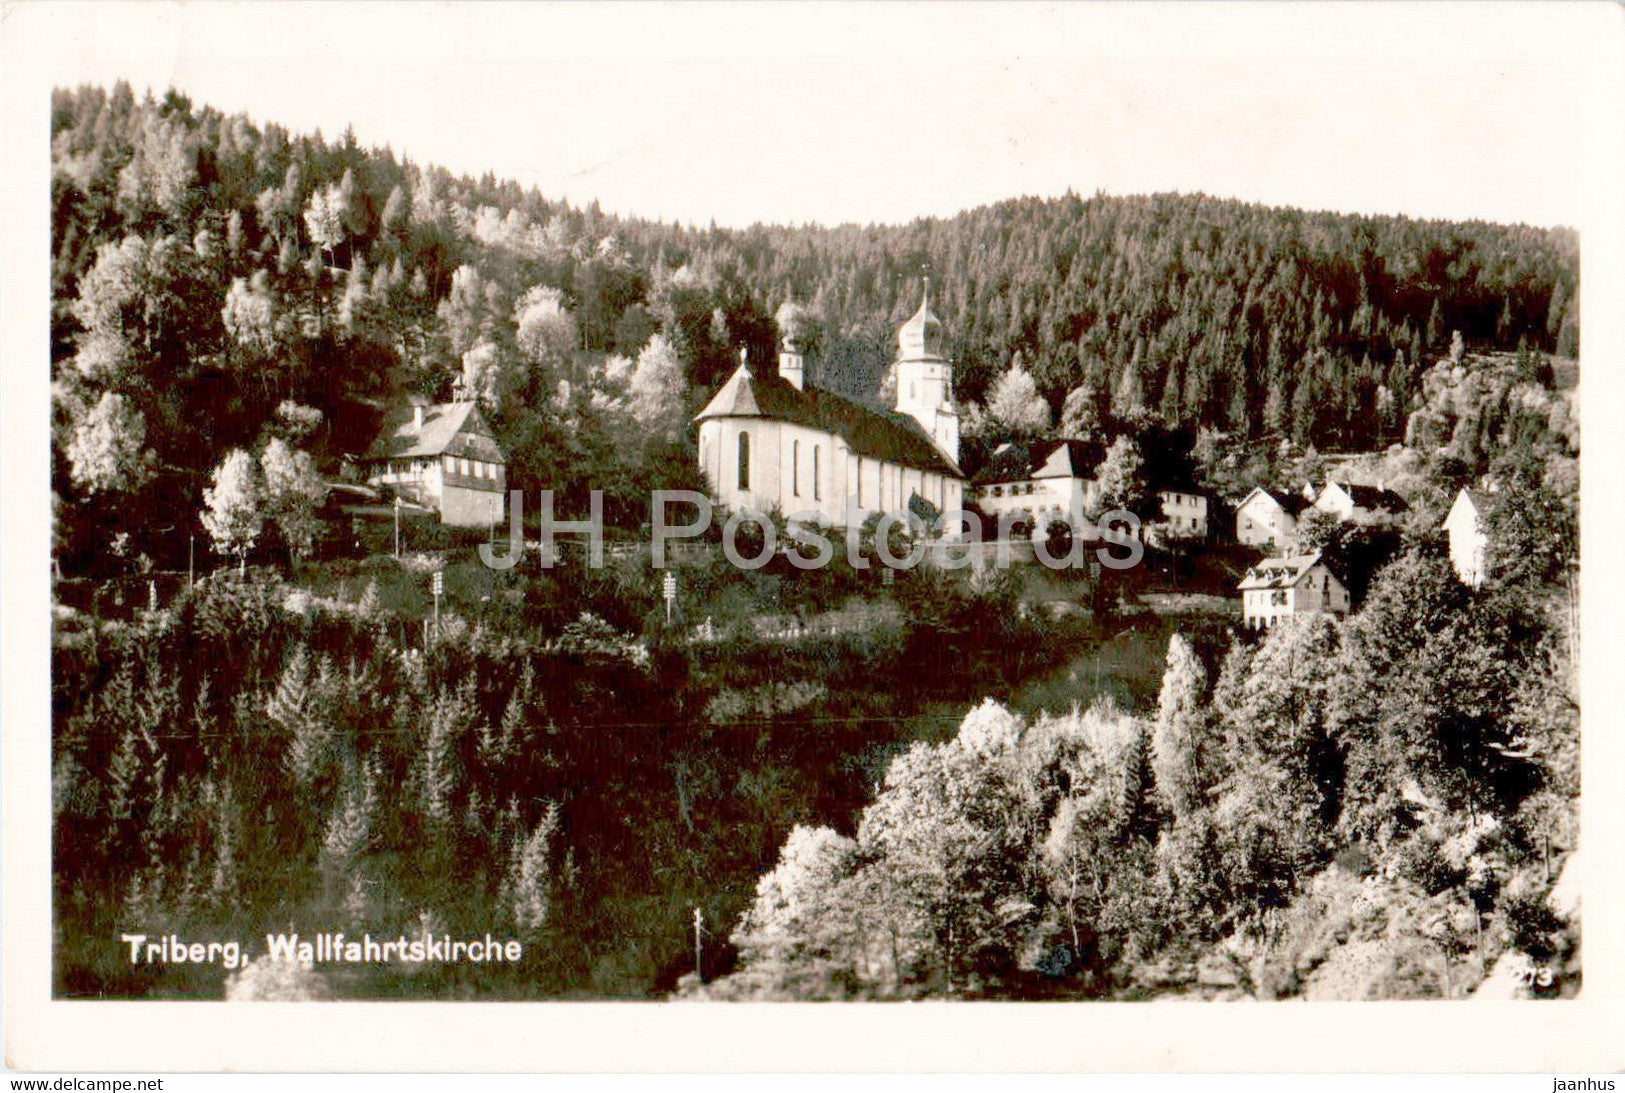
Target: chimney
[417,417]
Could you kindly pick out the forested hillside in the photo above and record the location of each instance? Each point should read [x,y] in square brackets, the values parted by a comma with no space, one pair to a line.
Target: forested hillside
[210,272]
[1376,805]
[1348,810]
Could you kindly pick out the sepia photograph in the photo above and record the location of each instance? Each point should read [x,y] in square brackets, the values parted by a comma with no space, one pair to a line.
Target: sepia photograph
[712,504]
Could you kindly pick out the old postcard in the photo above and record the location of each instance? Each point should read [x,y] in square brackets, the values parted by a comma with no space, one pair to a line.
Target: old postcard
[704,505]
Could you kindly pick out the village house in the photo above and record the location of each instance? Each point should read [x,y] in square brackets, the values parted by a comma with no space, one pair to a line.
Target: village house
[1039,482]
[1281,588]
[1268,518]
[1366,504]
[444,458]
[1049,479]
[1467,525]
[1184,514]
[770,440]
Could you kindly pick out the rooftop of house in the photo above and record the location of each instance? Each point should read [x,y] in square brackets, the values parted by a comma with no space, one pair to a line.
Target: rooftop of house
[1292,501]
[1279,572]
[448,428]
[1373,497]
[1481,500]
[877,434]
[1018,461]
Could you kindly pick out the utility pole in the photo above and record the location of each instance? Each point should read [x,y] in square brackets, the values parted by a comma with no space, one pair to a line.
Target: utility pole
[438,583]
[699,932]
[190,536]
[397,526]
[668,589]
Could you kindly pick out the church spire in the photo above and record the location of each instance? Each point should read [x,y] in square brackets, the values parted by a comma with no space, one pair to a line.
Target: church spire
[921,337]
[924,376]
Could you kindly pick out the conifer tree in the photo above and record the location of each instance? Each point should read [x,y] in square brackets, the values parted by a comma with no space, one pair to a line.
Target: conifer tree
[530,876]
[1182,753]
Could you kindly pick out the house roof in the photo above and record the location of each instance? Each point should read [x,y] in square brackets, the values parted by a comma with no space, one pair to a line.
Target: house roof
[896,438]
[449,428]
[1016,461]
[1373,497]
[1009,462]
[1290,500]
[1279,572]
[1069,459]
[1480,501]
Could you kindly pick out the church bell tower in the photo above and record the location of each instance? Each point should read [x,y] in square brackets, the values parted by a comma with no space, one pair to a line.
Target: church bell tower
[925,378]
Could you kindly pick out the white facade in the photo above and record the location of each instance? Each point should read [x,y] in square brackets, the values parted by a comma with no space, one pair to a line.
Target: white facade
[1184,514]
[1469,543]
[761,464]
[444,458]
[773,442]
[1281,588]
[466,492]
[925,390]
[1261,521]
[1039,497]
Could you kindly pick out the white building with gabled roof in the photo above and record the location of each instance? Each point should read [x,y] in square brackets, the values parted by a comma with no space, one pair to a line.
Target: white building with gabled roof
[1372,504]
[1268,518]
[1468,527]
[1282,588]
[443,457]
[1040,482]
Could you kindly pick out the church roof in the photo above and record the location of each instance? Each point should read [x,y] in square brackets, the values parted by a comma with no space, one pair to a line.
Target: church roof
[877,434]
[450,428]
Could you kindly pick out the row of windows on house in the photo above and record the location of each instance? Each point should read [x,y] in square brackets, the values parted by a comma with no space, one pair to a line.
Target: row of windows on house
[1017,489]
[795,467]
[454,464]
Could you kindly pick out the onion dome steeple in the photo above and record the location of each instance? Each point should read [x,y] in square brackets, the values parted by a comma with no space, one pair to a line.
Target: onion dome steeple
[921,337]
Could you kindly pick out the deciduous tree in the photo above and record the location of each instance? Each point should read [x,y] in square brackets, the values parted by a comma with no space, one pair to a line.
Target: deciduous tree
[107,453]
[233,508]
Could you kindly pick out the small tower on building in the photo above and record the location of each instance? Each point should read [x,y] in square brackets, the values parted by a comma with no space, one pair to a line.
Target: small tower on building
[925,378]
[792,367]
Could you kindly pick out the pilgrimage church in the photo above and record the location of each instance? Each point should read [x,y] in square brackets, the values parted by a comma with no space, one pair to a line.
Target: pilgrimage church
[769,440]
